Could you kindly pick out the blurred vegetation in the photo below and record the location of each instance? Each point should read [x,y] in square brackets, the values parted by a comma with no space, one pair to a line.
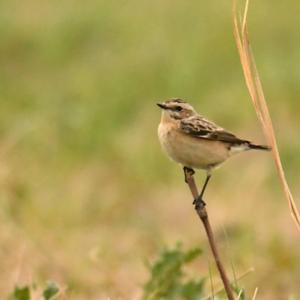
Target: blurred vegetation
[168,280]
[50,292]
[86,193]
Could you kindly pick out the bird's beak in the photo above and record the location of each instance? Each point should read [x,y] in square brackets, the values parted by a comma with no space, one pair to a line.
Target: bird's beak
[161,105]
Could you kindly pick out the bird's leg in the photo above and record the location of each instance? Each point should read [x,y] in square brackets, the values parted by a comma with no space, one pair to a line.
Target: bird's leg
[199,200]
[188,172]
[205,185]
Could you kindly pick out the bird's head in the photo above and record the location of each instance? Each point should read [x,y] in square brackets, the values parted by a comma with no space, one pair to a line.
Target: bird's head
[176,109]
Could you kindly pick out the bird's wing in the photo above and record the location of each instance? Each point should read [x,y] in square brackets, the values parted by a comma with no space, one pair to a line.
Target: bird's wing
[200,127]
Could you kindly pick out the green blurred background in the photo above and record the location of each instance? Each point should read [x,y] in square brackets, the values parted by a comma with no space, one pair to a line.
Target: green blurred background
[86,193]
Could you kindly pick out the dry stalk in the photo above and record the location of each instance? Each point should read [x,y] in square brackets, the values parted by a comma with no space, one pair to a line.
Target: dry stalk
[258,99]
[220,289]
[202,213]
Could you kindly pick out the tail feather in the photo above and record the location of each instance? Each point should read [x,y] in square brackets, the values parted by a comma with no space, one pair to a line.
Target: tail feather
[260,147]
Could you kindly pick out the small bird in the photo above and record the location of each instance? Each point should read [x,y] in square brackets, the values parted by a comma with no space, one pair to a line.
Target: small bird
[195,142]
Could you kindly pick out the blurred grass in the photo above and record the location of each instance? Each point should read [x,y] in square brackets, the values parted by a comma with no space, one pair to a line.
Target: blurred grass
[86,193]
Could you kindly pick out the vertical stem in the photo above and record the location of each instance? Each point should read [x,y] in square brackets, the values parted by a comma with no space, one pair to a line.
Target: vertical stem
[202,213]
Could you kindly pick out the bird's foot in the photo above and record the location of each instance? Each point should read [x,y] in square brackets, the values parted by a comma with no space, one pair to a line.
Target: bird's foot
[199,203]
[188,172]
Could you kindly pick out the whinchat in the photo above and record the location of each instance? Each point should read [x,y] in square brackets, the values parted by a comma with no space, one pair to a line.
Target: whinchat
[195,142]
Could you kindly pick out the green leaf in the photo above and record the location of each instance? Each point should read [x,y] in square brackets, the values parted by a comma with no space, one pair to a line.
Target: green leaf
[193,290]
[167,279]
[192,254]
[20,293]
[50,291]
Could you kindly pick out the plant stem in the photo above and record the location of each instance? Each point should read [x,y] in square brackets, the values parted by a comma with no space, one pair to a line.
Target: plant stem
[202,213]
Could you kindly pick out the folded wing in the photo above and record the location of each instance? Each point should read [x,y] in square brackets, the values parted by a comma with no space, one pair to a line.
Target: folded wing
[199,127]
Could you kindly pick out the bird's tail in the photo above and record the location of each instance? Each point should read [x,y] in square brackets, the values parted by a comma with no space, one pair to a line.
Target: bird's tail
[260,147]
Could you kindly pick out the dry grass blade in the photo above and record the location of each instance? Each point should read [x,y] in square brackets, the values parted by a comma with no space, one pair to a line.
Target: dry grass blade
[211,283]
[257,96]
[255,293]
[240,295]
[221,289]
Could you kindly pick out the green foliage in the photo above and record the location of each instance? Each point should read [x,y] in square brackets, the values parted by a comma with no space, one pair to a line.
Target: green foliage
[24,293]
[50,291]
[168,280]
[20,293]
[192,289]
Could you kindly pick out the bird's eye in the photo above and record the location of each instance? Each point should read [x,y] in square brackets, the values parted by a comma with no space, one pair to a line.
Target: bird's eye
[178,108]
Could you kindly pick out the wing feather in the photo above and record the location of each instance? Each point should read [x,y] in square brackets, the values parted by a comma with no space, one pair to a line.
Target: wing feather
[200,127]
